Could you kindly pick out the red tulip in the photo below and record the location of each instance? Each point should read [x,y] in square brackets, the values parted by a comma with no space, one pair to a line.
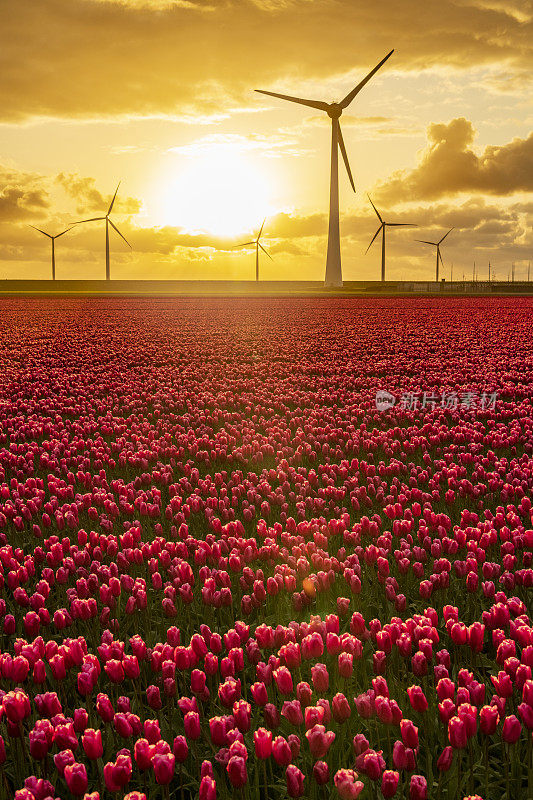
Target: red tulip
[320,773]
[319,740]
[417,698]
[76,778]
[389,782]
[92,743]
[208,788]
[445,759]
[511,729]
[418,789]
[281,751]
[295,781]
[347,784]
[180,749]
[236,770]
[263,743]
[457,733]
[163,765]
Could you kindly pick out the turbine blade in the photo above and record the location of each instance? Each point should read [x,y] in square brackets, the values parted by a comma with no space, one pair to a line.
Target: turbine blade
[311,103]
[445,235]
[401,224]
[119,233]
[349,97]
[345,156]
[373,239]
[423,241]
[40,231]
[113,200]
[375,209]
[93,219]
[244,244]
[63,232]
[440,256]
[265,252]
[261,231]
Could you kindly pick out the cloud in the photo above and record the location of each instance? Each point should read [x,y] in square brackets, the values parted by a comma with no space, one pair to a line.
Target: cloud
[173,58]
[22,196]
[450,165]
[90,199]
[273,146]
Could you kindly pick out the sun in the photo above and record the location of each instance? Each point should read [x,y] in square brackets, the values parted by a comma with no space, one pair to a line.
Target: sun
[218,190]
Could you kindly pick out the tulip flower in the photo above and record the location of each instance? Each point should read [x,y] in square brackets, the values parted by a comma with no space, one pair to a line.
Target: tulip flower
[347,785]
[417,699]
[163,765]
[457,733]
[208,789]
[320,773]
[319,740]
[263,743]
[236,770]
[295,781]
[418,789]
[76,778]
[511,729]
[92,743]
[389,782]
[281,751]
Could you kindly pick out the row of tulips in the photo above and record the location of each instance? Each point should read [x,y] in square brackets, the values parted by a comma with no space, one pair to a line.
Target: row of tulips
[223,570]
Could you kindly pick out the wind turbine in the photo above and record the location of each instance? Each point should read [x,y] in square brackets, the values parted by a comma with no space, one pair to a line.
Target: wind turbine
[53,238]
[108,222]
[437,245]
[257,246]
[382,228]
[334,111]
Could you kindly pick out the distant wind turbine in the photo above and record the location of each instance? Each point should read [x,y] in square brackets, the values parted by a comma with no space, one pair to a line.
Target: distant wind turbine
[437,245]
[384,225]
[53,238]
[258,245]
[108,222]
[334,111]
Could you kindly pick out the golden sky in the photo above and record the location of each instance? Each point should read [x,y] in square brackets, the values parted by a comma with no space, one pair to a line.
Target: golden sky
[159,95]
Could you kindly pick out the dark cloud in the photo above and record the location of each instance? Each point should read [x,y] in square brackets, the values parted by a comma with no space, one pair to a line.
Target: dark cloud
[90,199]
[450,165]
[87,59]
[22,196]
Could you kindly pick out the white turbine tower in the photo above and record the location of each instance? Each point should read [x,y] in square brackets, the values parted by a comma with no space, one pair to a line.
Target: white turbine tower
[437,245]
[382,228]
[108,222]
[334,111]
[258,245]
[53,238]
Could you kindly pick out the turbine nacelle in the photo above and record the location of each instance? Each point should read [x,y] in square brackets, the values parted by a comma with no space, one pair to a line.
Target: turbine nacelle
[334,110]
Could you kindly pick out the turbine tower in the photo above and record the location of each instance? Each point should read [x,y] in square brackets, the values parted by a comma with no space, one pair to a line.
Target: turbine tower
[383,226]
[437,245]
[108,222]
[258,245]
[53,238]
[334,111]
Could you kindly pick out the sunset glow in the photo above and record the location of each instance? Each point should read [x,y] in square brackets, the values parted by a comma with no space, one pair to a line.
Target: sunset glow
[441,136]
[218,190]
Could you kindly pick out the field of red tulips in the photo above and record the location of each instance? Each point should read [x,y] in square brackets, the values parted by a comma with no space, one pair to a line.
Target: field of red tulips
[224,572]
